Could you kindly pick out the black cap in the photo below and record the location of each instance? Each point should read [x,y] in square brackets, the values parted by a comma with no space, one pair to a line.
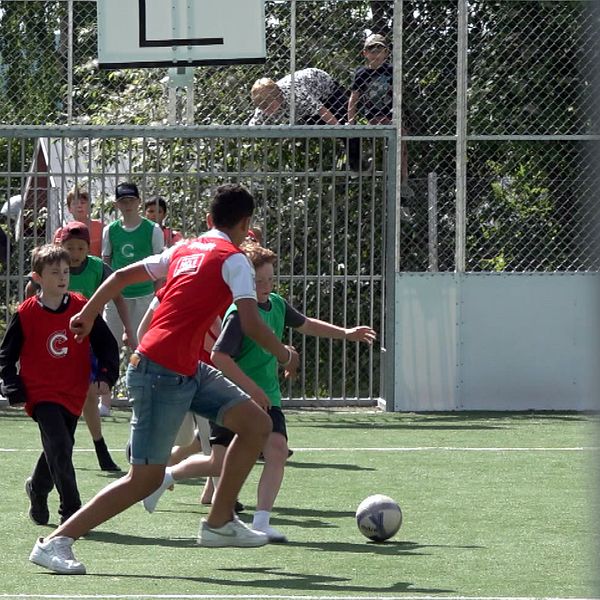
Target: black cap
[127,190]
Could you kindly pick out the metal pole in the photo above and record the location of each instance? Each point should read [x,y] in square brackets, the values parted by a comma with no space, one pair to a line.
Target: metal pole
[70,63]
[293,8]
[432,217]
[461,136]
[397,112]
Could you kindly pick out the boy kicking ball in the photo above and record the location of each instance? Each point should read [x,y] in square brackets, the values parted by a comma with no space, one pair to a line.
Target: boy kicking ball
[165,381]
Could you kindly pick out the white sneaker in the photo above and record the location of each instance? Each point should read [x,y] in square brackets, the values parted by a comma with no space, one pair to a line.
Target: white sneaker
[57,555]
[234,533]
[104,410]
[151,501]
[275,537]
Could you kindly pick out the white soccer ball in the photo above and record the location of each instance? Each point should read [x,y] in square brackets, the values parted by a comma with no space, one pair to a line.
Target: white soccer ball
[378,517]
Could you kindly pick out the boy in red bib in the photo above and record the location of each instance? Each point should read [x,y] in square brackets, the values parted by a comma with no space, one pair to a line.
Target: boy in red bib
[165,381]
[39,339]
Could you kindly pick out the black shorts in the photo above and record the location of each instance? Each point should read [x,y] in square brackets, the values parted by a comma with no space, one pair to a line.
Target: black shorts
[221,436]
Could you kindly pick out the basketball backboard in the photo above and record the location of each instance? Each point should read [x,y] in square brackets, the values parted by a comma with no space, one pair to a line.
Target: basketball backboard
[180,33]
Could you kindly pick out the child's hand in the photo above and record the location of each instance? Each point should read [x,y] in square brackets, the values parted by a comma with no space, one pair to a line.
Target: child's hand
[80,326]
[128,339]
[361,334]
[259,397]
[291,369]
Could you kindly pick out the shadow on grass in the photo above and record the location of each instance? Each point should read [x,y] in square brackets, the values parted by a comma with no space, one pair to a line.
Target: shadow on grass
[275,579]
[337,466]
[472,420]
[109,537]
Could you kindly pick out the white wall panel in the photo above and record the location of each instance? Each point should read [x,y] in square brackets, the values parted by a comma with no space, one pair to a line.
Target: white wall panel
[497,342]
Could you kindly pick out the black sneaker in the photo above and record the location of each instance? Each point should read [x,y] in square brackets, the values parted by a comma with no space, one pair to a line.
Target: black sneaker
[108,464]
[38,509]
[104,458]
[239,507]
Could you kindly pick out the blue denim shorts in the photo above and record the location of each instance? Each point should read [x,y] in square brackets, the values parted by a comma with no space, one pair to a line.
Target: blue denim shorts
[160,398]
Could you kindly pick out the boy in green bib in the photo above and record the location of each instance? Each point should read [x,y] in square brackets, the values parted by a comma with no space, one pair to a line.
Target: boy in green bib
[250,367]
[124,242]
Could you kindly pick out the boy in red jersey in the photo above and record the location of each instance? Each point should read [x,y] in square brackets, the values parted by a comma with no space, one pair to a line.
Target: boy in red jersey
[39,339]
[203,276]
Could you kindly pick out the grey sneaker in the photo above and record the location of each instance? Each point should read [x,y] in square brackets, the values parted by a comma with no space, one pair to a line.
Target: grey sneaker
[38,505]
[275,537]
[235,533]
[57,555]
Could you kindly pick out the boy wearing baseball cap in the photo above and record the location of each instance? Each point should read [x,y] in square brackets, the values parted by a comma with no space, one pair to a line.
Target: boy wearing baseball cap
[124,242]
[371,97]
[87,272]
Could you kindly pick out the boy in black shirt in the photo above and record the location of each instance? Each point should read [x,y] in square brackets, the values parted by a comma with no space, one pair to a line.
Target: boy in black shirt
[371,97]
[52,377]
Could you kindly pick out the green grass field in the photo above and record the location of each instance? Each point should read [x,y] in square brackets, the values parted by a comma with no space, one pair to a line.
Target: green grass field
[495,505]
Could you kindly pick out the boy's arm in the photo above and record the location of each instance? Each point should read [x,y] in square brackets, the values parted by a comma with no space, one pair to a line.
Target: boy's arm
[327,116]
[106,350]
[230,369]
[227,346]
[254,327]
[318,328]
[145,322]
[123,311]
[82,322]
[353,106]
[10,351]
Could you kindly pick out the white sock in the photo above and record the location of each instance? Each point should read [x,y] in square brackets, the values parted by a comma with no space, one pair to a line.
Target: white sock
[169,479]
[261,518]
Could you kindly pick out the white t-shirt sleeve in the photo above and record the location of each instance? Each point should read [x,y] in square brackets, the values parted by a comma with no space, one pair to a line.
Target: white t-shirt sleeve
[238,274]
[157,265]
[158,240]
[106,246]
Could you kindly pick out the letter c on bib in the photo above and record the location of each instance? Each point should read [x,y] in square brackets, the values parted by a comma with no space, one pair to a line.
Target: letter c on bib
[127,250]
[55,341]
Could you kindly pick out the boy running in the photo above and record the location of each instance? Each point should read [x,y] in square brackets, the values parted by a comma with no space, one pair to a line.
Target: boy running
[204,275]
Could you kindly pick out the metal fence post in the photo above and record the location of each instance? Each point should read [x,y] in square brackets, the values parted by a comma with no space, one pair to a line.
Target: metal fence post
[432,218]
[70,64]
[397,112]
[293,8]
[461,136]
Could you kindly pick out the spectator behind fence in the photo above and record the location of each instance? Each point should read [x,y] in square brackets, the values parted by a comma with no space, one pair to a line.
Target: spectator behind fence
[155,209]
[78,204]
[371,98]
[319,99]
[126,241]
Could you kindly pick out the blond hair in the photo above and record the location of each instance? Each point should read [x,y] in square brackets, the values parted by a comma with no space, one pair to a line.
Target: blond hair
[48,254]
[76,192]
[264,92]
[257,254]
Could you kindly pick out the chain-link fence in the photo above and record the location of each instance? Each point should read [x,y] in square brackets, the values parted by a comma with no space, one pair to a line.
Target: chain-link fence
[327,226]
[494,105]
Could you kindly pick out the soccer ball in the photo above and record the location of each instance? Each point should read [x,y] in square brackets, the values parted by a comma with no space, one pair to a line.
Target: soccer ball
[378,517]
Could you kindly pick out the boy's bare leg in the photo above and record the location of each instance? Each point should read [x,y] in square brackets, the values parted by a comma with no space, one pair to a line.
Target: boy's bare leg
[252,425]
[141,481]
[91,414]
[180,453]
[276,452]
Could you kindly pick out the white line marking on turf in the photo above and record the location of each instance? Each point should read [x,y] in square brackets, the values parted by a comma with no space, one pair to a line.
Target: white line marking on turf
[278,596]
[397,449]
